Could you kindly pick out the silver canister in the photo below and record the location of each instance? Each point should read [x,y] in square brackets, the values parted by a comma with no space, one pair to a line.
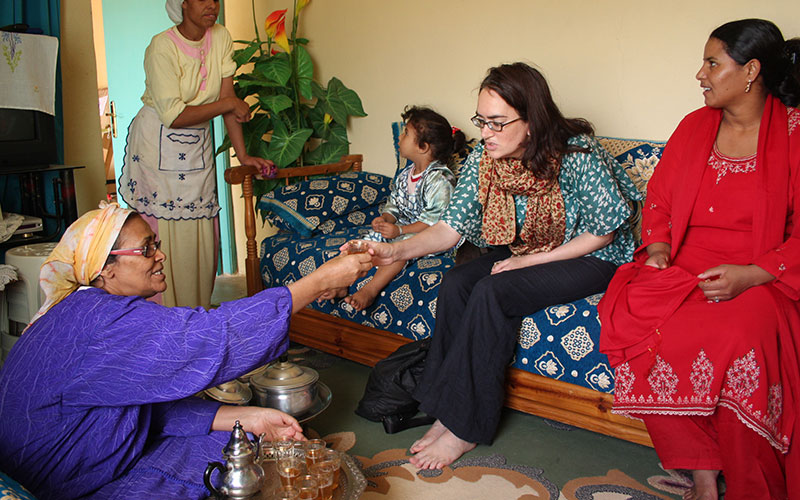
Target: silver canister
[285,386]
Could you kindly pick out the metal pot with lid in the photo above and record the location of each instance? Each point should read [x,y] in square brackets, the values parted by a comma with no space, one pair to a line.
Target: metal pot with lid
[285,386]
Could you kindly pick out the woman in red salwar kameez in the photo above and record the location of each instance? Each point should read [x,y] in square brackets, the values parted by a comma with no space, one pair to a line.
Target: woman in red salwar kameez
[703,326]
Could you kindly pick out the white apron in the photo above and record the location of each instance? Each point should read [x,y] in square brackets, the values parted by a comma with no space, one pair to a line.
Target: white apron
[168,172]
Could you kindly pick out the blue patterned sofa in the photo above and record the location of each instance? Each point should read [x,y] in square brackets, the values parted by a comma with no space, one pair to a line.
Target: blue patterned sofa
[556,372]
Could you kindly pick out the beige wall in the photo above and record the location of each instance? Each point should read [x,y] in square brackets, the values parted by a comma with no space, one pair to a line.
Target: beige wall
[626,65]
[82,142]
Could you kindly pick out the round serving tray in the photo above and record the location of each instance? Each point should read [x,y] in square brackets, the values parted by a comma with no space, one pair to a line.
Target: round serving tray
[352,482]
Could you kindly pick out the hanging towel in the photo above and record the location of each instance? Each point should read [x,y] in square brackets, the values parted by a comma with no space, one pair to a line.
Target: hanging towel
[28,71]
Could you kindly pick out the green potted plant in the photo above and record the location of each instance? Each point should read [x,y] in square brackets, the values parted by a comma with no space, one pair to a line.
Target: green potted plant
[296,121]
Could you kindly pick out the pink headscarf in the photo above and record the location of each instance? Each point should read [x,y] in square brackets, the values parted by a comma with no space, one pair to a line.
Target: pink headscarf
[81,254]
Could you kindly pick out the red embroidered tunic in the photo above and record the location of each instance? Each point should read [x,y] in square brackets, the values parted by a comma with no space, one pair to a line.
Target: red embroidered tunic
[704,354]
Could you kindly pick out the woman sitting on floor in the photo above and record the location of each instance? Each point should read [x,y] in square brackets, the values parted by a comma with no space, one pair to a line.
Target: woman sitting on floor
[702,328]
[96,397]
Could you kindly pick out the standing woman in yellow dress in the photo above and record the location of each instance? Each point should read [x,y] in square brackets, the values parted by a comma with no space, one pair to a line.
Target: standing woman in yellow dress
[168,173]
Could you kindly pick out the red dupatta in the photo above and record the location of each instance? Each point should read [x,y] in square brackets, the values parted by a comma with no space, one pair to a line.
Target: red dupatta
[631,318]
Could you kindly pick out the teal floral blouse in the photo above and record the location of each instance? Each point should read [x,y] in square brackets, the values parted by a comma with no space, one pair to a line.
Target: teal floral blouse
[596,192]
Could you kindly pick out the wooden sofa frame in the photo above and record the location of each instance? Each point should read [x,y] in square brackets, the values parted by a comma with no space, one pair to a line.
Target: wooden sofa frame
[525,391]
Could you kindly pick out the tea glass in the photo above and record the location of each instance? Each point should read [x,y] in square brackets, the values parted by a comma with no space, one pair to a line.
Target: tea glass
[315,449]
[332,457]
[283,447]
[308,488]
[285,493]
[323,473]
[290,468]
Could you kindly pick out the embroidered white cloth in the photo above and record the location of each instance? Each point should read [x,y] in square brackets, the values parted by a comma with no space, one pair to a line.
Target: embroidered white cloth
[28,71]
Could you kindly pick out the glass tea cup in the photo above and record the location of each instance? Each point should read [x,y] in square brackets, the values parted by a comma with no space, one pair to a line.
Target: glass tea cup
[315,449]
[283,447]
[323,473]
[357,246]
[290,468]
[299,449]
[333,458]
[308,488]
[285,493]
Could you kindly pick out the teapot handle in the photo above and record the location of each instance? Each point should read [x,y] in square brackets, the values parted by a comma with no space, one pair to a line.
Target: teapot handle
[207,478]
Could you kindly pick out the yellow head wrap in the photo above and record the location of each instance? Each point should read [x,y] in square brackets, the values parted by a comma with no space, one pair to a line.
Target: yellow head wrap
[81,254]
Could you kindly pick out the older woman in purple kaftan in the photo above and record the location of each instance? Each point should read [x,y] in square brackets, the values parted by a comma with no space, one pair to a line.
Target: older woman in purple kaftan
[96,398]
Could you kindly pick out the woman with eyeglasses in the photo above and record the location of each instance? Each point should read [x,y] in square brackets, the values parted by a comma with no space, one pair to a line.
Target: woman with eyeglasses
[552,205]
[97,396]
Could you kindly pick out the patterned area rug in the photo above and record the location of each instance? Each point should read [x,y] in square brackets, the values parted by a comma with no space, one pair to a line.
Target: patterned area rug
[390,476]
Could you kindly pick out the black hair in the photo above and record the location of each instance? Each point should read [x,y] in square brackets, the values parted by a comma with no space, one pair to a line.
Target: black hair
[748,39]
[435,131]
[525,89]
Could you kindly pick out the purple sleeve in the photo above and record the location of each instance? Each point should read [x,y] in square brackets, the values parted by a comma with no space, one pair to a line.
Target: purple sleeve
[140,352]
[191,416]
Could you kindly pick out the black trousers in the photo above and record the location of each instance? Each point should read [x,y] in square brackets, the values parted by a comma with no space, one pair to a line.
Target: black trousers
[477,318]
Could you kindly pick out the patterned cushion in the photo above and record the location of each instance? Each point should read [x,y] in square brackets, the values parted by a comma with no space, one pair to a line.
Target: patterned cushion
[407,306]
[639,159]
[301,207]
[559,342]
[12,490]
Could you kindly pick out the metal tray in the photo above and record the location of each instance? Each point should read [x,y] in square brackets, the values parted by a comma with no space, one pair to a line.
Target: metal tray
[352,482]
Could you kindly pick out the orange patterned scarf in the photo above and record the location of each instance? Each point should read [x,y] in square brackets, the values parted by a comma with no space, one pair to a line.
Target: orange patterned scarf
[545,217]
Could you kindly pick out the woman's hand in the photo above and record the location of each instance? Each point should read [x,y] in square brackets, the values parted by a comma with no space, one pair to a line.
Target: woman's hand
[238,108]
[275,424]
[266,167]
[515,262]
[343,270]
[658,255]
[726,281]
[381,253]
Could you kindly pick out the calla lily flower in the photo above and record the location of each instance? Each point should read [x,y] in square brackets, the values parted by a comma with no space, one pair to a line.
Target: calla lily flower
[327,118]
[300,5]
[275,27]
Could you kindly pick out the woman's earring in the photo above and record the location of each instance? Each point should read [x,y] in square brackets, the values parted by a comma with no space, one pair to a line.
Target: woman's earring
[747,89]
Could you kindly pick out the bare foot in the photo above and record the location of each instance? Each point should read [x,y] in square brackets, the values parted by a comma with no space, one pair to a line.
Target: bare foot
[705,486]
[362,299]
[442,452]
[436,430]
[336,293]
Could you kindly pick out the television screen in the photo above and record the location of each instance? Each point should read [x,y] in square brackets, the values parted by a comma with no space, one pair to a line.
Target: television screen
[17,125]
[27,139]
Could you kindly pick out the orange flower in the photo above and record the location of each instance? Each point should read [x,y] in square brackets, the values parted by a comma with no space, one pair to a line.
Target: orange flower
[275,26]
[300,5]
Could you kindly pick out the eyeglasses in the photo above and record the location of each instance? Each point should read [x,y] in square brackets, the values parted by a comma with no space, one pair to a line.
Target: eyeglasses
[494,126]
[146,251]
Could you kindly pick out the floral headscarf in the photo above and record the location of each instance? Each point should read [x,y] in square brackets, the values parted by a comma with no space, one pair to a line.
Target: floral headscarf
[174,11]
[81,254]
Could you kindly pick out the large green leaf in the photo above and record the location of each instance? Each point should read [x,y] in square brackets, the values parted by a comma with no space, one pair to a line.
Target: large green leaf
[332,130]
[276,103]
[285,145]
[242,56]
[305,72]
[250,80]
[277,68]
[342,101]
[327,152]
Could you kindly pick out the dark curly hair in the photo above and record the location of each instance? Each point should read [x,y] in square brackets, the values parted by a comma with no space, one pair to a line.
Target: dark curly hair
[748,39]
[435,131]
[525,89]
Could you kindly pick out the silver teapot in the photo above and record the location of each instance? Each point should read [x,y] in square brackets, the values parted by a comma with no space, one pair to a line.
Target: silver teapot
[242,476]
